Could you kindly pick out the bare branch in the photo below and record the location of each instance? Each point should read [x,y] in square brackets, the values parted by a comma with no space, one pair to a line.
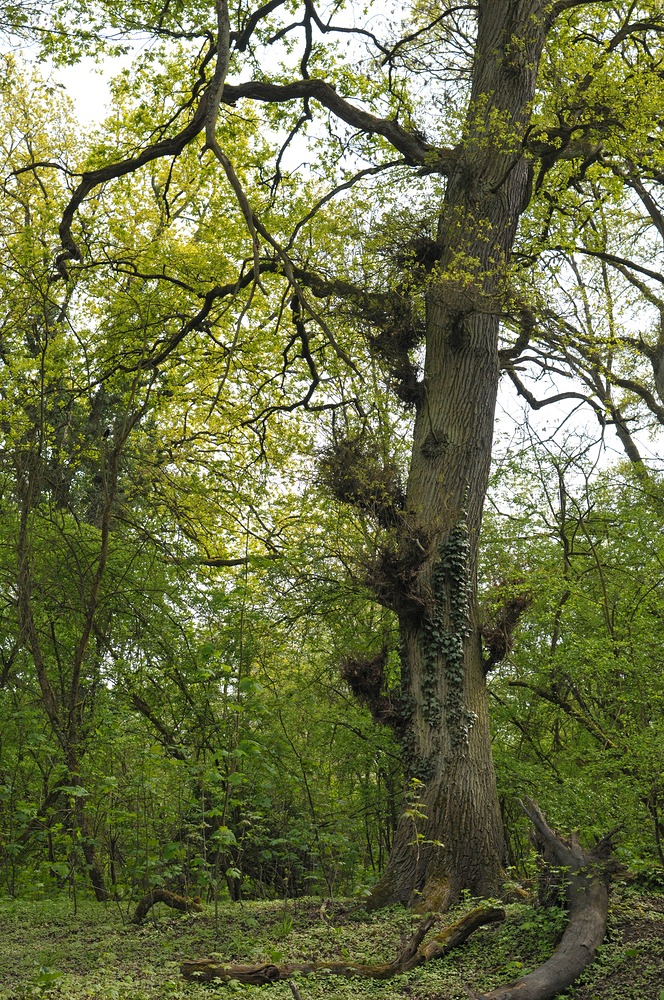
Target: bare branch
[91,179]
[241,38]
[537,404]
[360,175]
[611,258]
[46,164]
[562,5]
[416,150]
[642,392]
[414,35]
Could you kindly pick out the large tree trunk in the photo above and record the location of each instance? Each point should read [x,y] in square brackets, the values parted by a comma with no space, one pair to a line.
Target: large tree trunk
[459,845]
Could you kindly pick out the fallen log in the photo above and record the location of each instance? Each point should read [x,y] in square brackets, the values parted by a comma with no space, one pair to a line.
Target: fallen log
[184,903]
[587,875]
[413,954]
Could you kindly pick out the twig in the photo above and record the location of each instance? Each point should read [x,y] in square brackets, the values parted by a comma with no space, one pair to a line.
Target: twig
[294,990]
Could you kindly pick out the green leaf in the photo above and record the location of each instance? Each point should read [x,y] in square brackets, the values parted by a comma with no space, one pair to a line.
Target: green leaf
[224,836]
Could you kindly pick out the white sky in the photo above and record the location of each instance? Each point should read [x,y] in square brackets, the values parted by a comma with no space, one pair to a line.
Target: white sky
[88,86]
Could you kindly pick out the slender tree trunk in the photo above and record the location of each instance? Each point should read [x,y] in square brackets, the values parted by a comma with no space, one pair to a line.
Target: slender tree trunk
[451,838]
[93,864]
[63,704]
[81,826]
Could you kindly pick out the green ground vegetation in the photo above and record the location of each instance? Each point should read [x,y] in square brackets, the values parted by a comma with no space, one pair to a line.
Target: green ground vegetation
[48,950]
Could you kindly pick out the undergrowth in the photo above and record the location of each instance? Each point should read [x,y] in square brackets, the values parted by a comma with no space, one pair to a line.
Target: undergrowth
[48,950]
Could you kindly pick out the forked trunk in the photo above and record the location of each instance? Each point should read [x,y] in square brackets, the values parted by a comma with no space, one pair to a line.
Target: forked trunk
[450,835]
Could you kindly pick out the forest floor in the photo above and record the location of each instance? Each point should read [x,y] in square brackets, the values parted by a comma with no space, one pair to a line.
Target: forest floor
[49,950]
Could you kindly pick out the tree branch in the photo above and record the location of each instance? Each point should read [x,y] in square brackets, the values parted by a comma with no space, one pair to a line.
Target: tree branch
[537,404]
[416,150]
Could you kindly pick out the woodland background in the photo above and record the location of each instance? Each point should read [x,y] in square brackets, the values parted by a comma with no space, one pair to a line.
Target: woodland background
[184,593]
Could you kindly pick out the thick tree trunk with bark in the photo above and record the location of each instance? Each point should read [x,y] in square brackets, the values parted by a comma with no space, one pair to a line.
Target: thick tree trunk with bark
[459,845]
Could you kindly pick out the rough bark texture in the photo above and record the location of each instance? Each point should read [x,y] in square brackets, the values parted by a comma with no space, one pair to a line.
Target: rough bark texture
[415,953]
[184,903]
[446,736]
[587,892]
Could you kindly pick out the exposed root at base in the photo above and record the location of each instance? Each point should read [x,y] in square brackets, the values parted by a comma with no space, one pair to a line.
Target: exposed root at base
[184,903]
[587,876]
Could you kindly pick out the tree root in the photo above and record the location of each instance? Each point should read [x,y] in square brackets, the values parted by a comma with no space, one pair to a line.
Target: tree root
[184,903]
[587,875]
[413,954]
